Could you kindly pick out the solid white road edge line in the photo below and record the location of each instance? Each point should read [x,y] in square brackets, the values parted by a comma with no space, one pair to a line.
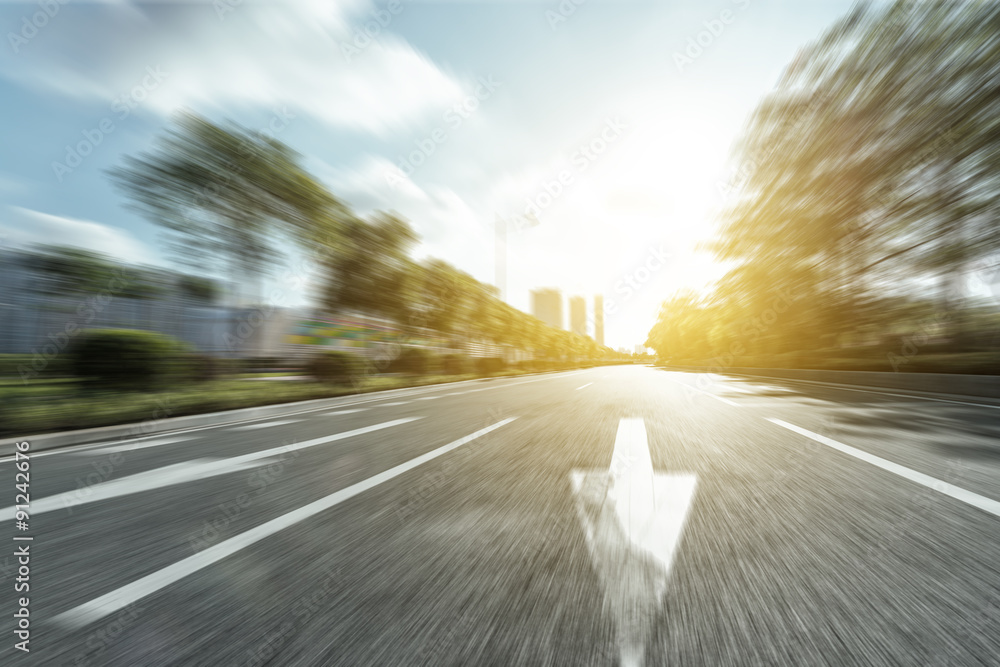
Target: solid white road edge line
[958,493]
[109,603]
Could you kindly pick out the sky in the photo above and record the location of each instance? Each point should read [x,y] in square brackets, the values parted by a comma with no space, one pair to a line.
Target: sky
[611,121]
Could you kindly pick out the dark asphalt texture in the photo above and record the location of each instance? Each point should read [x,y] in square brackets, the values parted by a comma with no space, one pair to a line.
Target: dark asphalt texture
[793,553]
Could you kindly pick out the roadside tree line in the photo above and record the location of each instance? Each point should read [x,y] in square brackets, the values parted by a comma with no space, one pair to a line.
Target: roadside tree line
[869,189]
[224,193]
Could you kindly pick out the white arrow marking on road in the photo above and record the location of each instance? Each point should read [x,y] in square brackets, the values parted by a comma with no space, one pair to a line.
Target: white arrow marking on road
[632,519]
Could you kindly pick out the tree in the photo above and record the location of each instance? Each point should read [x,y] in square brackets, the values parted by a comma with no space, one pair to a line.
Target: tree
[368,269]
[869,170]
[225,190]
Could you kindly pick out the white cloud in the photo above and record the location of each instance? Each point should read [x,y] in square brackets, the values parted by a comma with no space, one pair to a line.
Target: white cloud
[26,227]
[257,54]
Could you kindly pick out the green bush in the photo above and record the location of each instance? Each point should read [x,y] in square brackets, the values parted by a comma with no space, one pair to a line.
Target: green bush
[411,361]
[204,367]
[455,364]
[490,365]
[336,367]
[267,364]
[128,359]
[31,366]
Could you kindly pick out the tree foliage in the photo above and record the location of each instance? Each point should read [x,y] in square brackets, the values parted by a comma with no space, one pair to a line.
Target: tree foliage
[869,176]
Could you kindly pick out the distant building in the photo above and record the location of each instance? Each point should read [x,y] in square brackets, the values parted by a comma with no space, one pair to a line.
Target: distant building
[578,315]
[640,349]
[546,305]
[500,256]
[599,320]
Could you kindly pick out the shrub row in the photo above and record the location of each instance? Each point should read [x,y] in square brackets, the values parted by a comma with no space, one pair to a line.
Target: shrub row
[145,360]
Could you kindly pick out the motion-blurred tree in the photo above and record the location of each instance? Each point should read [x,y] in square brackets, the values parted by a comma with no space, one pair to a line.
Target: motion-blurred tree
[868,171]
[223,190]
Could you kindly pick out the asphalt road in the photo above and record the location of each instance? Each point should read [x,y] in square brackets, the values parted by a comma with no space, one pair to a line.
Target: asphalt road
[442,526]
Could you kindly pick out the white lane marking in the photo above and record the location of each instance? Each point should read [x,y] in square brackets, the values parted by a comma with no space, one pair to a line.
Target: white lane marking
[82,497]
[178,473]
[428,398]
[870,391]
[584,386]
[109,603]
[136,445]
[343,412]
[389,405]
[455,393]
[958,493]
[250,427]
[633,519]
[724,400]
[707,393]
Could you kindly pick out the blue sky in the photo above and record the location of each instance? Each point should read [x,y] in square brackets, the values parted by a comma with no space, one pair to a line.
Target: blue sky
[607,76]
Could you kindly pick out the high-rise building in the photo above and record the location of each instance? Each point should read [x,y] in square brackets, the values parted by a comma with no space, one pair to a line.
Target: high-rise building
[640,349]
[578,315]
[546,305]
[599,319]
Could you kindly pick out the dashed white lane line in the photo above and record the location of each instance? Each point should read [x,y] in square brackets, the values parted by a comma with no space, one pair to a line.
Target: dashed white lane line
[958,493]
[114,449]
[724,400]
[584,386]
[343,412]
[428,398]
[178,473]
[389,405]
[702,391]
[109,603]
[250,427]
[183,472]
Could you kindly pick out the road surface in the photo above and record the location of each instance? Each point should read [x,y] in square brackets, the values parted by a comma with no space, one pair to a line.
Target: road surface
[620,515]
